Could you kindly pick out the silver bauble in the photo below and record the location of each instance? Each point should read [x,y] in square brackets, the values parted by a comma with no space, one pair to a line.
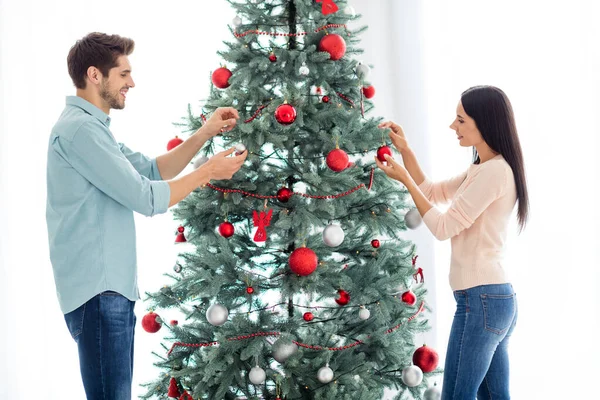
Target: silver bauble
[304,70]
[237,21]
[433,393]
[412,376]
[282,350]
[349,10]
[240,148]
[363,71]
[325,374]
[364,314]
[257,375]
[413,219]
[199,161]
[217,314]
[177,267]
[333,235]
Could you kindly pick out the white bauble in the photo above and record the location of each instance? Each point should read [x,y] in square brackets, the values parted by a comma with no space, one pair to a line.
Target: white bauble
[304,70]
[325,374]
[237,21]
[217,314]
[364,314]
[282,350]
[349,10]
[333,235]
[363,71]
[412,376]
[239,148]
[433,393]
[257,375]
[413,219]
[200,161]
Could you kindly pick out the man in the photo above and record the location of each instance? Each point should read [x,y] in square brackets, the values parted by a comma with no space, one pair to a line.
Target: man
[94,186]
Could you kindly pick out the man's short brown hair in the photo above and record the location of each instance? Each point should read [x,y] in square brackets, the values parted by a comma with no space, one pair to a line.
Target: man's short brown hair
[96,50]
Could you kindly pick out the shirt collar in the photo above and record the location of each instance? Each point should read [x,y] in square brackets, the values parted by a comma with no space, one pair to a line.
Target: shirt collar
[89,108]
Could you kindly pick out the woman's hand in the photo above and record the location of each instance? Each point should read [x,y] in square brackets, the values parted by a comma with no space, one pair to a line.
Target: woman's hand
[396,135]
[393,169]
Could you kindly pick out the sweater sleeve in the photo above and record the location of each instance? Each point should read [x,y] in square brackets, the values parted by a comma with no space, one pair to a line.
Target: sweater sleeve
[442,192]
[487,184]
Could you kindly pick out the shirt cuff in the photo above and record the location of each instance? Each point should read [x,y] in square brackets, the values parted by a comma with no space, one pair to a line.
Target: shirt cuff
[162,196]
[155,172]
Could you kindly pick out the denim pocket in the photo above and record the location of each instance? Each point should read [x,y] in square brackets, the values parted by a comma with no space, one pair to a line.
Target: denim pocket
[498,312]
[74,321]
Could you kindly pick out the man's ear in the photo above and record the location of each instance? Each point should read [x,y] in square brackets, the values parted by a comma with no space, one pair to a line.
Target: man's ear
[94,75]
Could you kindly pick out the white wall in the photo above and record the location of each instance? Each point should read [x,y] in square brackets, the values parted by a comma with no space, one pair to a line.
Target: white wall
[543,54]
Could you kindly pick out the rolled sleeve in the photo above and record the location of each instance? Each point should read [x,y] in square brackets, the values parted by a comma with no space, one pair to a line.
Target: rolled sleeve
[93,153]
[155,172]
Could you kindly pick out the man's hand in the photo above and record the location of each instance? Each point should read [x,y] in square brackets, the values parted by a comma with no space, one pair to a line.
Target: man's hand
[221,167]
[222,120]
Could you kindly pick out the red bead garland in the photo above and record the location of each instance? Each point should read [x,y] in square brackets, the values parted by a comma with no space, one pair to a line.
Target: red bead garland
[257,32]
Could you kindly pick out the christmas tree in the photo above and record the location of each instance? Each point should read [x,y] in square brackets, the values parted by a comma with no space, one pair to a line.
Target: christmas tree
[299,285]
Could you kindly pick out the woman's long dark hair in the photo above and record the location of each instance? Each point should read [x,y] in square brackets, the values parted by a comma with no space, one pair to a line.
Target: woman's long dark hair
[493,114]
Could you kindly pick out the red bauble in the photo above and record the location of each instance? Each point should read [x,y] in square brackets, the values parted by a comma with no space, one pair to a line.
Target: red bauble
[308,316]
[273,57]
[368,91]
[337,160]
[303,261]
[226,229]
[382,152]
[249,290]
[180,238]
[150,324]
[186,396]
[220,77]
[409,298]
[334,44]
[173,143]
[174,322]
[344,298]
[426,358]
[285,114]
[375,243]
[173,389]
[325,99]
[284,195]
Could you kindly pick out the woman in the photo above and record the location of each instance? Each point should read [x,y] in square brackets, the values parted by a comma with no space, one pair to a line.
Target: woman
[482,200]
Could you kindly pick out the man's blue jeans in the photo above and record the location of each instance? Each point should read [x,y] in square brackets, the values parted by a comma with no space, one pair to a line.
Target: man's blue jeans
[477,357]
[103,329]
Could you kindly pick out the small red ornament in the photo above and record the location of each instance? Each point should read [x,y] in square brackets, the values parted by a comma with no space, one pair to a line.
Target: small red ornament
[284,195]
[226,229]
[220,78]
[180,238]
[409,298]
[382,152]
[186,396]
[150,324]
[250,290]
[273,57]
[176,141]
[334,44]
[303,261]
[375,243]
[368,91]
[174,322]
[426,358]
[308,316]
[344,298]
[337,160]
[329,7]
[173,389]
[325,99]
[261,221]
[285,114]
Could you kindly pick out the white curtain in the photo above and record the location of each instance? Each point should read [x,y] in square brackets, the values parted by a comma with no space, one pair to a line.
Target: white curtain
[543,54]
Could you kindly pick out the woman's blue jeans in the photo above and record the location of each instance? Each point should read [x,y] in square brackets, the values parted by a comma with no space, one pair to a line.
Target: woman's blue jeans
[477,357]
[103,329]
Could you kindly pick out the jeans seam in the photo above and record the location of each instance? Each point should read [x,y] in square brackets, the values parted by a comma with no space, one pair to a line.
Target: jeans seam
[80,330]
[487,385]
[460,348]
[101,352]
